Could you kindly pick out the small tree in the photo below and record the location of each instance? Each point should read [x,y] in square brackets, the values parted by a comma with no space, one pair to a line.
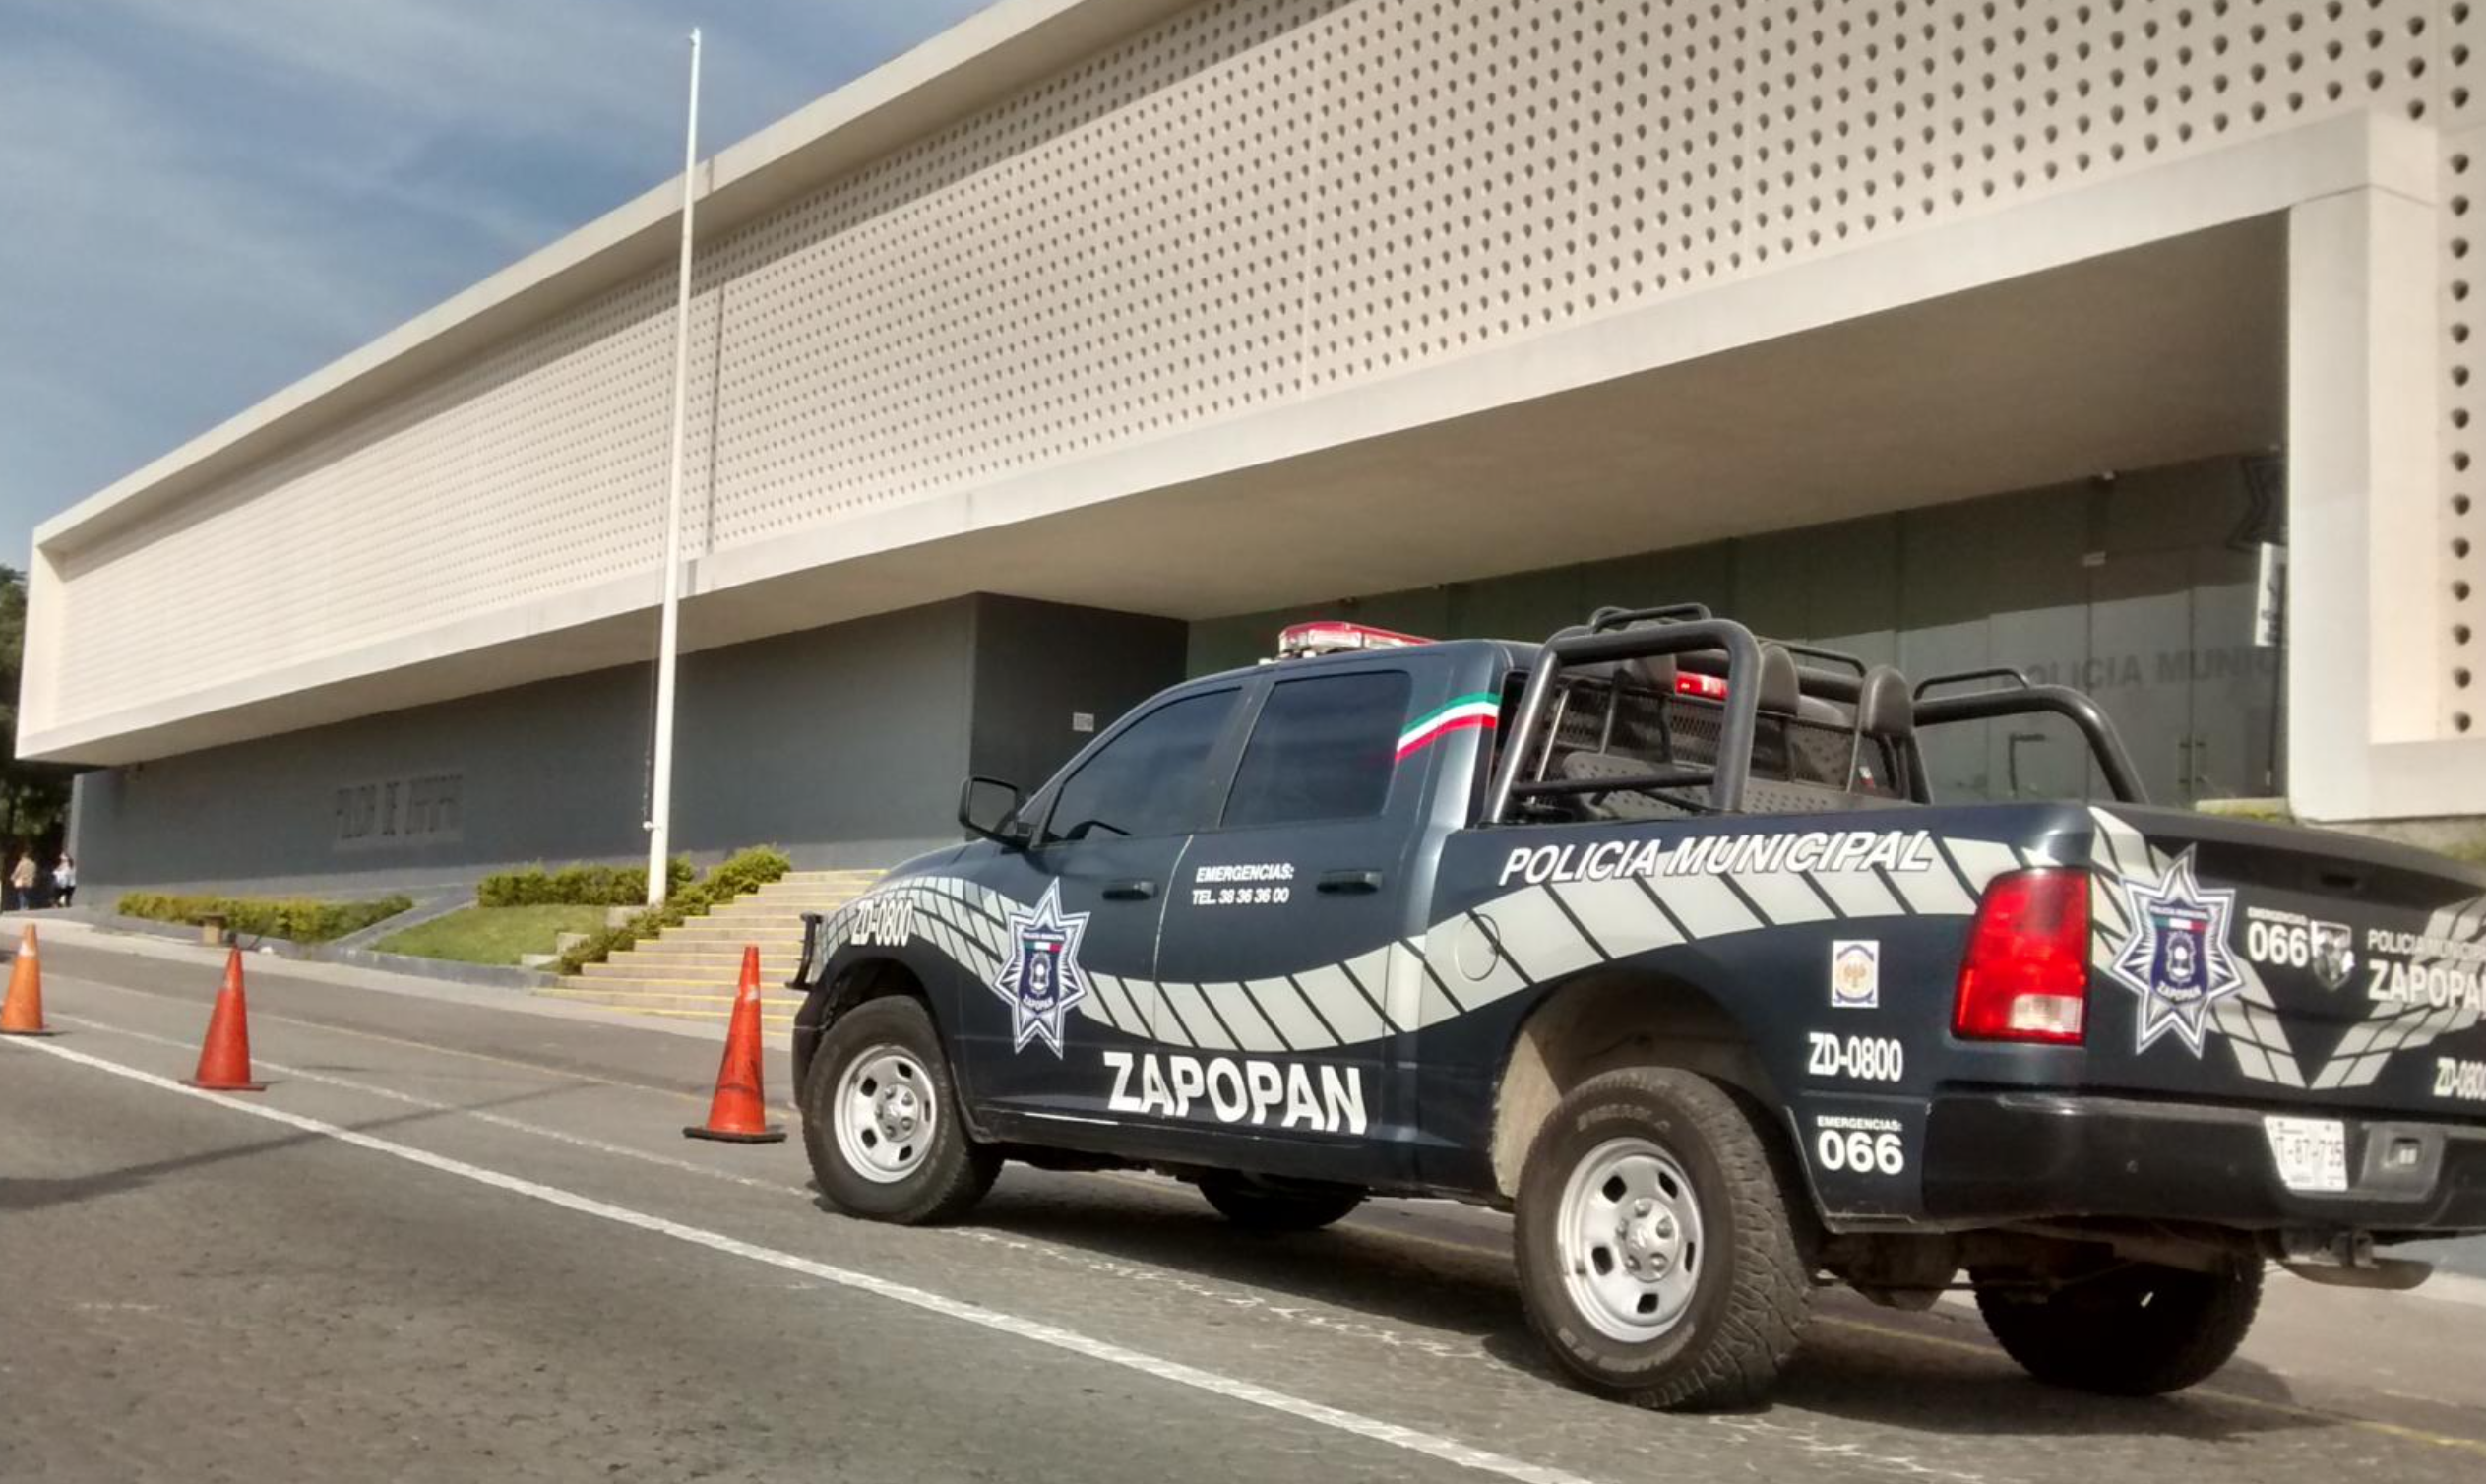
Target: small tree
[33,796]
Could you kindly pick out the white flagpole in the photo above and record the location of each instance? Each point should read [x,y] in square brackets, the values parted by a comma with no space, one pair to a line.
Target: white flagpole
[660,790]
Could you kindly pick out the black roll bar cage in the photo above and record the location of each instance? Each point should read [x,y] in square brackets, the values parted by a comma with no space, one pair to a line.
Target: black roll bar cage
[1600,643]
[2020,698]
[1612,617]
[2019,678]
[1619,634]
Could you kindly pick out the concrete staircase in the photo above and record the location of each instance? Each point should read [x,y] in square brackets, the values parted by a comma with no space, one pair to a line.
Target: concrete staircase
[690,973]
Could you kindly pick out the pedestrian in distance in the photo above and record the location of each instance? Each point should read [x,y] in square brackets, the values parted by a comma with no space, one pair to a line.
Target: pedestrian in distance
[65,879]
[22,882]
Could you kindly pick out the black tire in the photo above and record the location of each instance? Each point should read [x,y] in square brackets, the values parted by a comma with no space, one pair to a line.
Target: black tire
[1751,1285]
[2141,1331]
[937,1181]
[1273,1205]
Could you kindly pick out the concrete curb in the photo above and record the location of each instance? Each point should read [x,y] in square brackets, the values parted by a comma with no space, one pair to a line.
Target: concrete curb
[487,975]
[425,909]
[106,922]
[493,975]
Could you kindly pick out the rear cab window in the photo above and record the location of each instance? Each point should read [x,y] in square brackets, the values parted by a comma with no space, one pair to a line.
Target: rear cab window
[1324,747]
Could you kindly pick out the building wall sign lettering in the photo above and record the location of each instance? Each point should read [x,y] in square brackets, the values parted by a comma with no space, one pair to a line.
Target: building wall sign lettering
[419,809]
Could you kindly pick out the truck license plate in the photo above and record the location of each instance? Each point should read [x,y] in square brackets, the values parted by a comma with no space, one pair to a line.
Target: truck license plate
[2312,1152]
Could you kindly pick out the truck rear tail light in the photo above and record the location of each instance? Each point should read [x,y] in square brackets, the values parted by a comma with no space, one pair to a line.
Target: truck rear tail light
[2027,973]
[1707,687]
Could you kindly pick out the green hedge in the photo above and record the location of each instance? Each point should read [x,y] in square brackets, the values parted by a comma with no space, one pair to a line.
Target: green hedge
[299,919]
[576,886]
[743,872]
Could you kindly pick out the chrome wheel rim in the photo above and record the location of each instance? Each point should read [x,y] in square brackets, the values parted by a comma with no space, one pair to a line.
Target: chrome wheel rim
[884,1114]
[1629,1230]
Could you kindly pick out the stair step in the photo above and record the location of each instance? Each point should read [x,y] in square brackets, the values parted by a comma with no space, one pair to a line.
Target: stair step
[796,902]
[767,1019]
[693,972]
[772,970]
[571,989]
[670,984]
[648,977]
[638,967]
[618,970]
[772,965]
[736,941]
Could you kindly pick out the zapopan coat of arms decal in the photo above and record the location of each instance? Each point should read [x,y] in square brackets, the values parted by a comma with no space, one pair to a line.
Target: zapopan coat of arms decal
[2175,956]
[1041,978]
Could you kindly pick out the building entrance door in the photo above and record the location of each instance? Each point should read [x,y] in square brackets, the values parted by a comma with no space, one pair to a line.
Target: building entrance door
[2171,659]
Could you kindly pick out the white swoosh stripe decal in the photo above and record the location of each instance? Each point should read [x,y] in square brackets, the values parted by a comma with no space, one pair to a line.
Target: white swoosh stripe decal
[1551,930]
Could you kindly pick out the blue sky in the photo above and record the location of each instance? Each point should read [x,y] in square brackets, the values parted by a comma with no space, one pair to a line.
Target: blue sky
[206,200]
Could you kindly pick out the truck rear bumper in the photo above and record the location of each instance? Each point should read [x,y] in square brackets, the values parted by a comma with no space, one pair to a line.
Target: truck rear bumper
[1998,1156]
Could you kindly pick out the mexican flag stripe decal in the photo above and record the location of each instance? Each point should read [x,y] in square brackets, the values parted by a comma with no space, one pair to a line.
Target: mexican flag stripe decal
[1471,710]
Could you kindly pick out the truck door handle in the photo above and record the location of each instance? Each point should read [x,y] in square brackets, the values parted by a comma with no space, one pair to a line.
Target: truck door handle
[1129,890]
[1345,883]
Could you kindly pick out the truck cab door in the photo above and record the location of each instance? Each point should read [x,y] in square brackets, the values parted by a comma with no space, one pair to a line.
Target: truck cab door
[1080,910]
[1281,945]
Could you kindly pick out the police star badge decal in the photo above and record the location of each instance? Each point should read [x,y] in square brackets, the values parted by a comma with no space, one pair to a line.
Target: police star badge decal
[1041,978]
[2175,954]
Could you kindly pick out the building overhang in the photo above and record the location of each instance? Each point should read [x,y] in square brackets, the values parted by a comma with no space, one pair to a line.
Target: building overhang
[2138,320]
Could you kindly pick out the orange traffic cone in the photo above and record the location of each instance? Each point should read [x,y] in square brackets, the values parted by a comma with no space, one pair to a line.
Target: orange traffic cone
[22,1013]
[739,1114]
[224,1058]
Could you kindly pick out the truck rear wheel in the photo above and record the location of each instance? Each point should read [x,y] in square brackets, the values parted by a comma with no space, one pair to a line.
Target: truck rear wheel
[1273,1205]
[2141,1331]
[1657,1257]
[881,1119]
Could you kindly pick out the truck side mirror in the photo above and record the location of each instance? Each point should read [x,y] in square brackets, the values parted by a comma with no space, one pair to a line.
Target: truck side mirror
[989,807]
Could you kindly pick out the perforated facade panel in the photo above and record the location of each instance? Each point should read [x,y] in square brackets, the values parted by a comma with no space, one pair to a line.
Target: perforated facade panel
[1253,202]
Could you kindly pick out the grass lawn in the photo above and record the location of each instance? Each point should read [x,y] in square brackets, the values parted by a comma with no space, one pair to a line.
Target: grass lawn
[491,935]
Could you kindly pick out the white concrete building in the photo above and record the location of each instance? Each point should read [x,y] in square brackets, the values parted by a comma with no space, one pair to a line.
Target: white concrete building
[1185,311]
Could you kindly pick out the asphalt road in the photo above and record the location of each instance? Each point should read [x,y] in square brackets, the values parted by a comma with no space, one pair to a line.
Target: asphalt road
[460,1241]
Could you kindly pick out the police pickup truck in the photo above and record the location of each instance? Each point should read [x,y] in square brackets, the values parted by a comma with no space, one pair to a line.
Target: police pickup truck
[1654,935]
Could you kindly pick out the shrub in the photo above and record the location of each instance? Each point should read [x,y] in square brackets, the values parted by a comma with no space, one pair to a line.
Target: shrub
[747,871]
[299,919]
[743,872]
[576,886]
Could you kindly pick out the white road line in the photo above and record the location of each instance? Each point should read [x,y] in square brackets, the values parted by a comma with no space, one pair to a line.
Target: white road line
[479,1114]
[1210,1381]
[1318,1317]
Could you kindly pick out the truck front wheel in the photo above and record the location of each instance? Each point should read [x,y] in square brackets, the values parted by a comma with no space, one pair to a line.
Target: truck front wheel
[881,1119]
[2140,1330]
[1657,1256]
